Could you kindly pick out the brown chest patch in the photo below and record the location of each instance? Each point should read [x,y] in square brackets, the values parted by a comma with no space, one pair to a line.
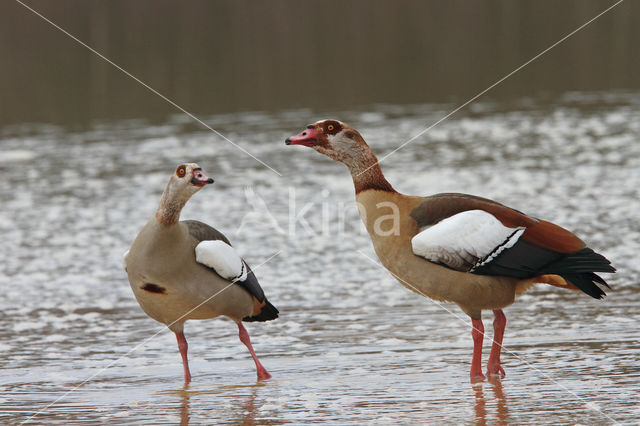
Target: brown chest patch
[154,288]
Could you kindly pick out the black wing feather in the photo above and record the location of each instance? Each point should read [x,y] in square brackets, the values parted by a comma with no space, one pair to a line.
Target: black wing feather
[525,260]
[251,284]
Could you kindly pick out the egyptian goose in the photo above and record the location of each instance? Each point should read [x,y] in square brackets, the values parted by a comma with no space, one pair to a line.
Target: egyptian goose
[181,270]
[459,248]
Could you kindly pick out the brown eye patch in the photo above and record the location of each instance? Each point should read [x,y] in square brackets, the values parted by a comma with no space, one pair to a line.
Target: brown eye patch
[181,171]
[332,127]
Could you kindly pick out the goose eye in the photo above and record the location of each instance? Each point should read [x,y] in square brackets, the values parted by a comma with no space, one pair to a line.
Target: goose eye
[330,127]
[181,171]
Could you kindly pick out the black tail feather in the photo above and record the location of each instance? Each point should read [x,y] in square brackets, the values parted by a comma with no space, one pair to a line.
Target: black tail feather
[579,269]
[597,278]
[585,260]
[585,283]
[268,313]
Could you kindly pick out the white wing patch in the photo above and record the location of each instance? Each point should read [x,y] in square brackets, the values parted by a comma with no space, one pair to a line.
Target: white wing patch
[124,259]
[222,258]
[466,240]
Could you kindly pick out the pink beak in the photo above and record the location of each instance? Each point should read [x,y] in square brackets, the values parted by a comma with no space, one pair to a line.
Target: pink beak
[199,178]
[307,137]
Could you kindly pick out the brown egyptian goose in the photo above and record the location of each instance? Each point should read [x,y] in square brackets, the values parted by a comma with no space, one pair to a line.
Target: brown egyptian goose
[181,270]
[459,248]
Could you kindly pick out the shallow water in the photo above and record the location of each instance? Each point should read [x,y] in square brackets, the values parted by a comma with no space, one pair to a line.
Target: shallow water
[351,345]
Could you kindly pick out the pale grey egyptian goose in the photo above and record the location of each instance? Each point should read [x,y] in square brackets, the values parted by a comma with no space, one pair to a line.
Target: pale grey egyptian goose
[181,270]
[468,250]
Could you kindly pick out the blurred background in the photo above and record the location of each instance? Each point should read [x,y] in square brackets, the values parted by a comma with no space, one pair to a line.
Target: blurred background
[226,56]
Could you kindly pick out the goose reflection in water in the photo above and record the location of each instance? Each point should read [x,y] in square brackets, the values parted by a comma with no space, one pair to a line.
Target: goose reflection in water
[185,409]
[246,413]
[502,411]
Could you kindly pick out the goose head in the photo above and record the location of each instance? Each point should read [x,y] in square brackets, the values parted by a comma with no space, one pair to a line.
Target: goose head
[343,143]
[334,139]
[187,179]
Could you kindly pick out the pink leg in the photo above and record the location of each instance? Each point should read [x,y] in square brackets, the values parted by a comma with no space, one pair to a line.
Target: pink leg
[499,323]
[182,345]
[244,338]
[476,362]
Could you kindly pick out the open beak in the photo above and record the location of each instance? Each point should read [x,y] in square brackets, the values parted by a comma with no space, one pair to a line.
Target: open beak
[199,178]
[307,137]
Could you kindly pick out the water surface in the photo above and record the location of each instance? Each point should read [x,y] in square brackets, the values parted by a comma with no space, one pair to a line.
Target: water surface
[352,346]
